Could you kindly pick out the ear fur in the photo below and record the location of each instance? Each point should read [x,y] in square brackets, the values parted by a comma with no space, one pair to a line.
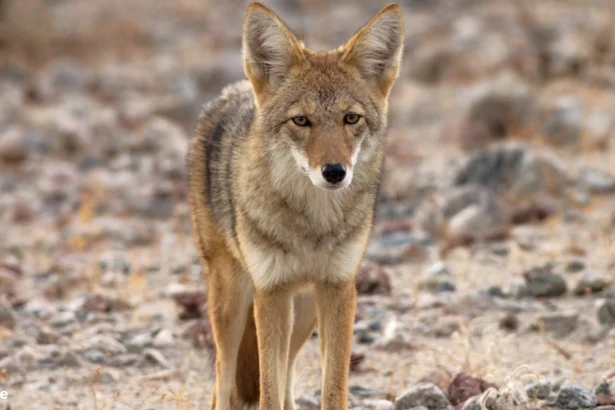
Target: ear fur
[376,50]
[269,48]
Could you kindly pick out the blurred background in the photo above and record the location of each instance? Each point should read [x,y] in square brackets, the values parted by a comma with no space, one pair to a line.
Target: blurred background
[491,263]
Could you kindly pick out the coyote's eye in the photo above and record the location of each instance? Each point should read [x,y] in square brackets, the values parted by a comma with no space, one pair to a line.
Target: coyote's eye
[301,120]
[351,118]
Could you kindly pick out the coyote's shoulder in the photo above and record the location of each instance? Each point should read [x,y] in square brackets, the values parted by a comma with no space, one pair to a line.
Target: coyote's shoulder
[223,124]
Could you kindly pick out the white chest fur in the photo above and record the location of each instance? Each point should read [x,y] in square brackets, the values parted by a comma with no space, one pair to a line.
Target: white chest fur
[272,266]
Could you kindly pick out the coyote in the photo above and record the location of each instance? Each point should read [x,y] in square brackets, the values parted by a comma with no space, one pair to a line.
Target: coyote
[284,173]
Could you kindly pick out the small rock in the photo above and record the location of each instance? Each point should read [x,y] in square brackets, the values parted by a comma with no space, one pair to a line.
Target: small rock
[139,342]
[11,365]
[604,389]
[125,360]
[500,249]
[372,279]
[63,319]
[437,285]
[360,391]
[200,333]
[7,316]
[596,181]
[572,397]
[464,386]
[473,403]
[606,312]
[396,247]
[377,404]
[156,357]
[574,266]
[515,171]
[191,303]
[102,303]
[517,288]
[356,359]
[69,359]
[440,378]
[562,126]
[423,394]
[541,390]
[561,324]
[542,282]
[445,327]
[103,343]
[163,338]
[95,356]
[393,340]
[509,322]
[109,376]
[13,146]
[591,282]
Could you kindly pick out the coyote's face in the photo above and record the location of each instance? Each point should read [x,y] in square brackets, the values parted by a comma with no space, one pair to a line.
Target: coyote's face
[325,110]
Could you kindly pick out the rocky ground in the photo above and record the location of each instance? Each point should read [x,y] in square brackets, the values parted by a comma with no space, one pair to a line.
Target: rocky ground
[490,279]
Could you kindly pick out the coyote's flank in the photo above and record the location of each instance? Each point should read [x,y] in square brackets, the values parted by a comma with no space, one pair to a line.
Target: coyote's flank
[284,173]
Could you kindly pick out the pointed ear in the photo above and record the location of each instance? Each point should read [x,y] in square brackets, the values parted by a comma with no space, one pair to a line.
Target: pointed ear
[376,49]
[269,48]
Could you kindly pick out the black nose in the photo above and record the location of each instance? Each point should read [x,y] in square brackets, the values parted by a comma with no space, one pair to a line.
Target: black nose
[334,173]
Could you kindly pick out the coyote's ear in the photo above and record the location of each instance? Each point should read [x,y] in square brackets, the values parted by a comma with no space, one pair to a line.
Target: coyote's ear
[376,49]
[269,48]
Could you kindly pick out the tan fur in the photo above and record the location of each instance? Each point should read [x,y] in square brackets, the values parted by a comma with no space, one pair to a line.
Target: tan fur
[280,247]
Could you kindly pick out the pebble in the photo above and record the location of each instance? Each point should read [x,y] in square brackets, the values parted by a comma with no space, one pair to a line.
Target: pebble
[560,324]
[377,404]
[63,319]
[95,356]
[575,266]
[11,365]
[13,147]
[596,181]
[372,279]
[591,282]
[463,387]
[606,312]
[517,288]
[422,394]
[103,343]
[109,376]
[125,360]
[7,315]
[164,338]
[542,390]
[156,357]
[542,282]
[572,398]
[139,342]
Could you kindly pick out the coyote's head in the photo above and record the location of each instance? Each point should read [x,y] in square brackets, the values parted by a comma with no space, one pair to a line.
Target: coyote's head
[328,110]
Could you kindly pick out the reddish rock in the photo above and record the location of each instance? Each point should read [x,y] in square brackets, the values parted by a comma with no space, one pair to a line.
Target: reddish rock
[389,226]
[373,280]
[604,400]
[356,359]
[465,386]
[101,303]
[192,304]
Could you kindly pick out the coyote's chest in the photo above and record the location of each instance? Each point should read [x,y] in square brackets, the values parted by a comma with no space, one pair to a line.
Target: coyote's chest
[270,266]
[315,239]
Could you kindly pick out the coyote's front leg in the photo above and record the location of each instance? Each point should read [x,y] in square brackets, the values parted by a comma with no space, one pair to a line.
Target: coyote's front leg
[336,311]
[274,321]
